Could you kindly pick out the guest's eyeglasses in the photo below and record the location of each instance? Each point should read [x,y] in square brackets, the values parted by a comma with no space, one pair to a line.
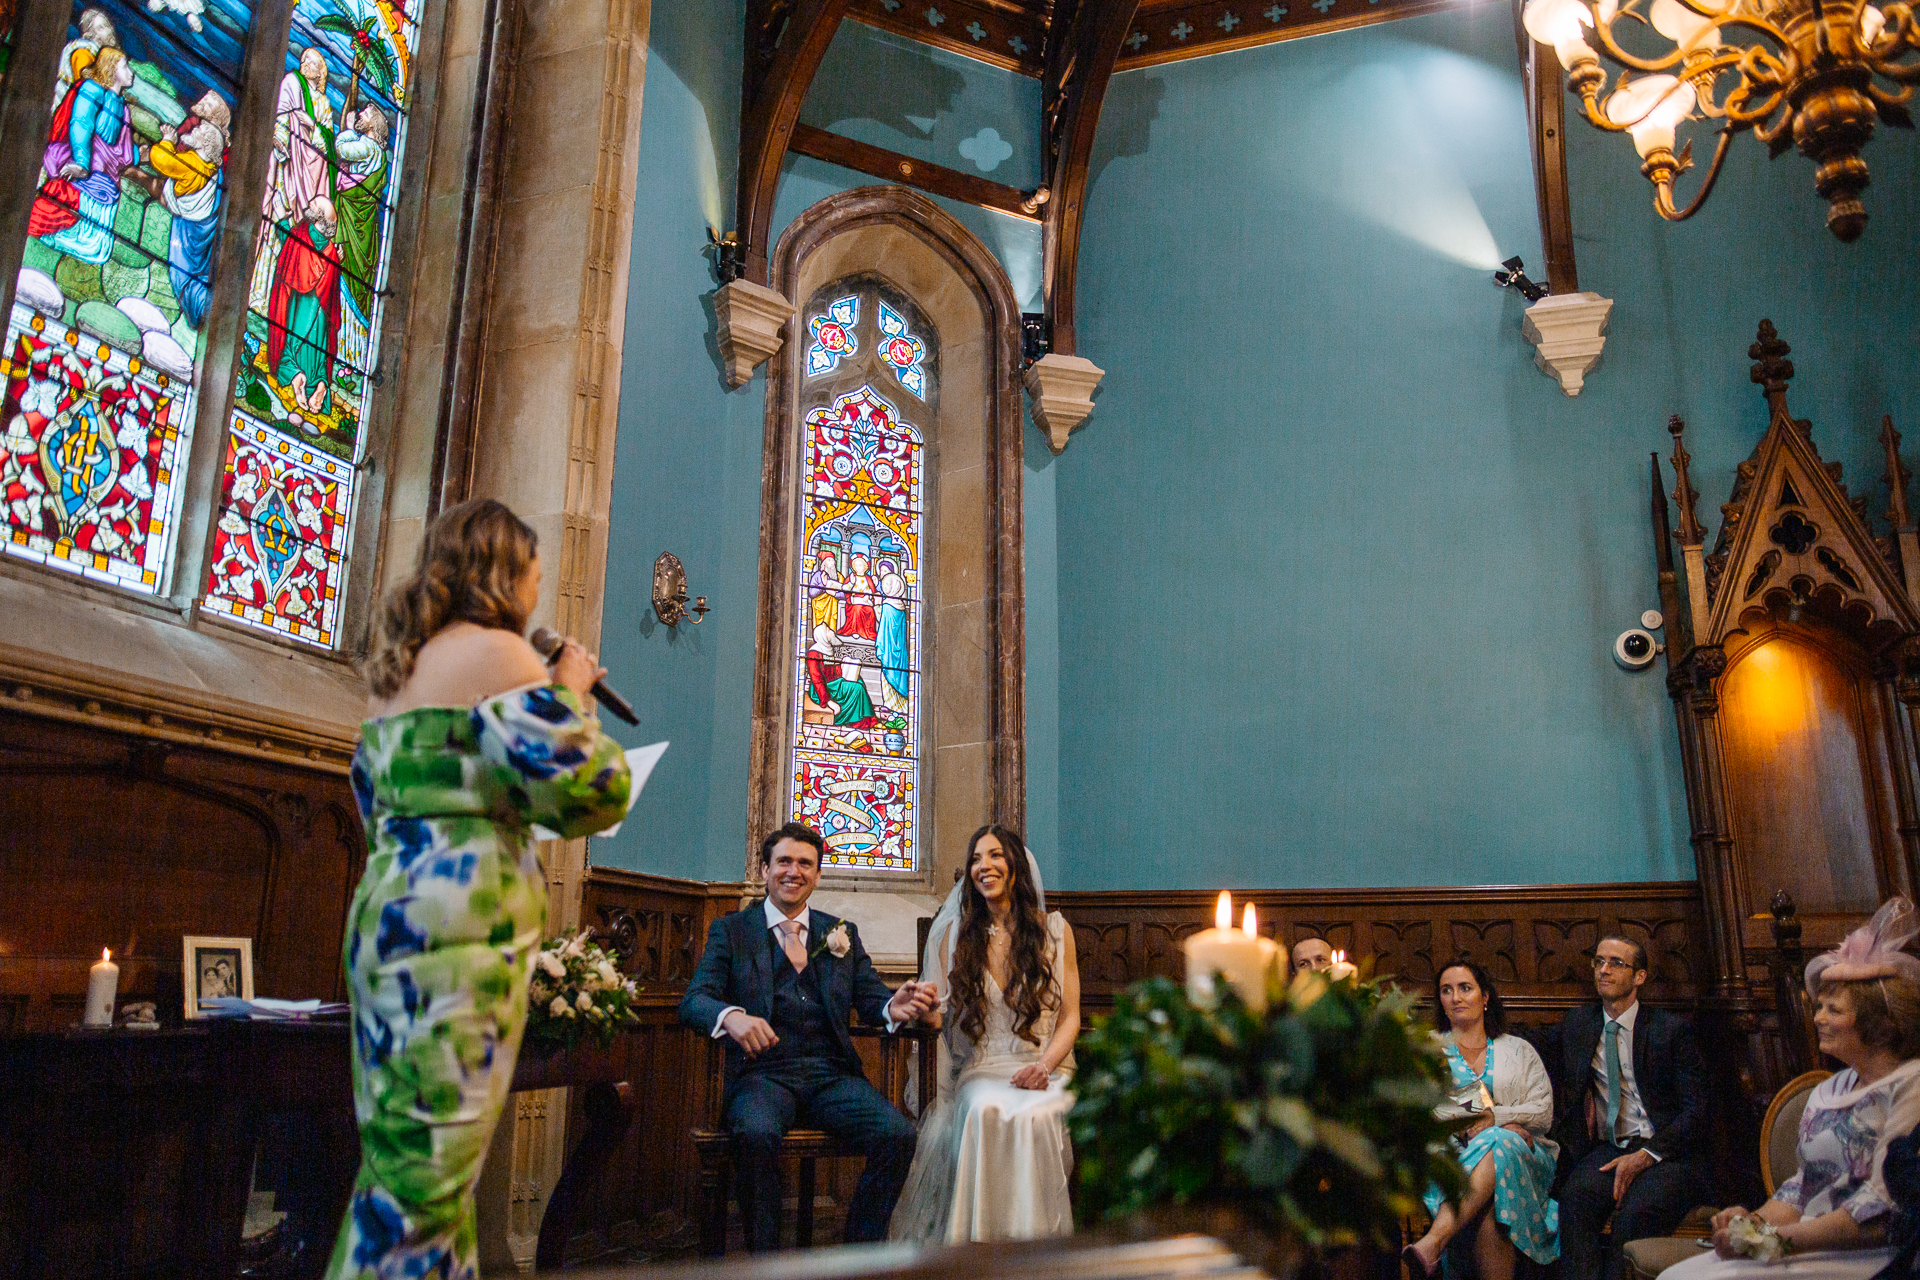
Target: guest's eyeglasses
[1613,962]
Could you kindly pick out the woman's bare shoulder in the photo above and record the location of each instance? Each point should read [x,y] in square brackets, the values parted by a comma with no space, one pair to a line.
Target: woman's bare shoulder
[464,664]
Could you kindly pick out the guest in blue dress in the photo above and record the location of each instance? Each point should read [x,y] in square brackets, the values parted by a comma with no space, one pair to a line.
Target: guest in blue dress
[1500,1081]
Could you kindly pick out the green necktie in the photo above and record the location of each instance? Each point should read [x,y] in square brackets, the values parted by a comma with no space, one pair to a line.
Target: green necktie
[1613,1078]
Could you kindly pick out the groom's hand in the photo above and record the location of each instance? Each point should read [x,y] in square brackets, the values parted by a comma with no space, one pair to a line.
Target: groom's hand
[755,1035]
[913,1001]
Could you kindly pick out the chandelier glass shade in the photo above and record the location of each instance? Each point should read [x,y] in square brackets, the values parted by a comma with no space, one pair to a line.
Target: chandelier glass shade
[1816,74]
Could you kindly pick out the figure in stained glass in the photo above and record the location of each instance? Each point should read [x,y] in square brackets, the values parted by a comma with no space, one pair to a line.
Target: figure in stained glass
[303,311]
[95,33]
[89,145]
[189,179]
[825,580]
[358,203]
[861,619]
[895,657]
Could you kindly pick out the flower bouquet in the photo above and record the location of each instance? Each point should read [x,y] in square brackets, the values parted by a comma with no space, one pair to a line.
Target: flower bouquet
[1311,1121]
[577,989]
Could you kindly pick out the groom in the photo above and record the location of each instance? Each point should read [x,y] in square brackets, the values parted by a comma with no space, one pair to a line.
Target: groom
[779,981]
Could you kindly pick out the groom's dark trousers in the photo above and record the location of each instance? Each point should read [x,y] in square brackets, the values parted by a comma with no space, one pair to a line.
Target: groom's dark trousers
[811,1078]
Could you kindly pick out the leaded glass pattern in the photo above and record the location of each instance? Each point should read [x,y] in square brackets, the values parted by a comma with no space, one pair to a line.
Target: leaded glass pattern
[833,336]
[857,734]
[905,354]
[315,297]
[104,340]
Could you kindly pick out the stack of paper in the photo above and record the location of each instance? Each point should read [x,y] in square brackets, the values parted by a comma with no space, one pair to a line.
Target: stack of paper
[270,1010]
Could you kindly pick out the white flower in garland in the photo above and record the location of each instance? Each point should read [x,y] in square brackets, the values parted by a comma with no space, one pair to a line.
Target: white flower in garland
[577,985]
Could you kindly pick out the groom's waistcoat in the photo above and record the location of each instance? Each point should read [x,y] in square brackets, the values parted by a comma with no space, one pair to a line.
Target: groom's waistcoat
[799,1015]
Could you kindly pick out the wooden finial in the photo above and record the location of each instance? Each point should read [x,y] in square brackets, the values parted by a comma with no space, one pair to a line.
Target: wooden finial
[1771,368]
[1691,534]
[1662,530]
[1896,478]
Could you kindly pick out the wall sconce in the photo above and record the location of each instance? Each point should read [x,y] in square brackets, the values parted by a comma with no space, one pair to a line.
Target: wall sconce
[670,593]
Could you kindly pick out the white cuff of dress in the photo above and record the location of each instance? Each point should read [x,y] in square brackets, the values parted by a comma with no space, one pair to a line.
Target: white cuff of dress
[718,1030]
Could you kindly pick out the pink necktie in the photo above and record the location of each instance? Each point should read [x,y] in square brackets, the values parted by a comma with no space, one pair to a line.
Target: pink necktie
[793,944]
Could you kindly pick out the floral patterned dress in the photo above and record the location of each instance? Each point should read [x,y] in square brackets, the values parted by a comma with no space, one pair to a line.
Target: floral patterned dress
[440,941]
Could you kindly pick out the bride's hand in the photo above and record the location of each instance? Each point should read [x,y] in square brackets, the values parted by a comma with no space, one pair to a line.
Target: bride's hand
[1031,1076]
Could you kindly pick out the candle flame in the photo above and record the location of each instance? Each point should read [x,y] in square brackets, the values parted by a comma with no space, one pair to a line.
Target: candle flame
[105,955]
[1249,923]
[1223,911]
[1339,957]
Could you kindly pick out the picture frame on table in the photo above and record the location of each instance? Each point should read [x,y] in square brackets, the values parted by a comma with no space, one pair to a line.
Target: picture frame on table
[213,967]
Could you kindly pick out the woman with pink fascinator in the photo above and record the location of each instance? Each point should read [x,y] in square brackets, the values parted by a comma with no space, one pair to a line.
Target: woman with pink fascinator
[1829,1221]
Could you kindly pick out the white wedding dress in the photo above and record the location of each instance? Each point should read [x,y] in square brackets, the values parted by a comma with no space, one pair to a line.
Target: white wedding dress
[993,1160]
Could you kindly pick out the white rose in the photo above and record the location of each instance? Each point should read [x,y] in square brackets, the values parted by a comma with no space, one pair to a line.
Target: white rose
[608,974]
[551,963]
[584,1001]
[838,942]
[559,1007]
[573,949]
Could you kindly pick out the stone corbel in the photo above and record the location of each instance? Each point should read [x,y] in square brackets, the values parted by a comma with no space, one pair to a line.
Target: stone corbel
[753,319]
[1062,388]
[1568,331]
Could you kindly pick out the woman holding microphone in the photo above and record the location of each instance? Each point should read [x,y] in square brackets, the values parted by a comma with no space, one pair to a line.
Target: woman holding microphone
[470,740]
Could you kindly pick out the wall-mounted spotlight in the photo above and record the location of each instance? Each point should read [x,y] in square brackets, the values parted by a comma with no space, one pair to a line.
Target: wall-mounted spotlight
[670,593]
[1512,275]
[725,252]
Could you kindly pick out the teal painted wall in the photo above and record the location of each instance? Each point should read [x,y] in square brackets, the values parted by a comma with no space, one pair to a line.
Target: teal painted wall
[687,466]
[1323,592]
[1340,570]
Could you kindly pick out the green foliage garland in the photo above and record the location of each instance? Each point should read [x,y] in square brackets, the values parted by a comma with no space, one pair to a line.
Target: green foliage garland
[1316,1117]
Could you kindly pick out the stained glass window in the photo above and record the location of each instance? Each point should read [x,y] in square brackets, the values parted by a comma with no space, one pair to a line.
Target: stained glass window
[103,343]
[905,354]
[314,301]
[857,731]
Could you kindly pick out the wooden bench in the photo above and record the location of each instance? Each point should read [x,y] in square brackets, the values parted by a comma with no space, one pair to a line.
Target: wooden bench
[713,1144]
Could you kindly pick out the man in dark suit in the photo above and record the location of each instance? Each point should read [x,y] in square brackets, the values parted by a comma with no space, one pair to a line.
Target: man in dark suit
[1630,1114]
[779,981]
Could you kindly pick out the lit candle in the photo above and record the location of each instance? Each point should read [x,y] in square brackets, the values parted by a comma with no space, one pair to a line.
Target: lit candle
[1230,952]
[103,983]
[1269,949]
[1341,969]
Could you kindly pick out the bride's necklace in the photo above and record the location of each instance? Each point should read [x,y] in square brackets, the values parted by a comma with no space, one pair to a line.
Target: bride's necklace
[995,931]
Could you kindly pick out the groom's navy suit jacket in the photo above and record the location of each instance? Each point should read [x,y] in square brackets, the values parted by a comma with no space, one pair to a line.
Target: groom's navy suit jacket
[737,969]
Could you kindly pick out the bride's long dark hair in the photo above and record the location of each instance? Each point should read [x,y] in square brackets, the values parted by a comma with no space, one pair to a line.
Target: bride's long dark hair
[1031,990]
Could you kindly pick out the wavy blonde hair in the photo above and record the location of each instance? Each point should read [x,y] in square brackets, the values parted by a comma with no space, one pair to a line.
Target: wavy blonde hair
[469,570]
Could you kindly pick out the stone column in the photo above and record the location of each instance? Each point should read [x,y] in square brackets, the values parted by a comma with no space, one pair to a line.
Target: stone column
[549,391]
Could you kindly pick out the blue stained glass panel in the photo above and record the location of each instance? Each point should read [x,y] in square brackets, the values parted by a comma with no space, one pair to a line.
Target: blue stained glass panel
[833,338]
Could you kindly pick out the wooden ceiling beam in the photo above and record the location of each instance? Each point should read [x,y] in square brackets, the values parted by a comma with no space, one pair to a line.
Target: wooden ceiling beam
[1081,52]
[954,184]
[786,40]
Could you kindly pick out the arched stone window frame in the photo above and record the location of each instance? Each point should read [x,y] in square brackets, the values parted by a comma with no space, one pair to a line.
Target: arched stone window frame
[974,659]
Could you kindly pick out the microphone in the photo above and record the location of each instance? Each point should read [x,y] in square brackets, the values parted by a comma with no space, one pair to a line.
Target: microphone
[547,643]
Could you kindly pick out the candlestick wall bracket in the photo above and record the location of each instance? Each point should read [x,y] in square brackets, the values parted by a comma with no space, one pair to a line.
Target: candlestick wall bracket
[670,593]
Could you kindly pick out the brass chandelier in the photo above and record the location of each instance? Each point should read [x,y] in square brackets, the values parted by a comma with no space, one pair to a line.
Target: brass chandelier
[1803,73]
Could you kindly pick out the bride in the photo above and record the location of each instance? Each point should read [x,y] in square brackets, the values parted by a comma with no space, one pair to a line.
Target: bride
[993,1157]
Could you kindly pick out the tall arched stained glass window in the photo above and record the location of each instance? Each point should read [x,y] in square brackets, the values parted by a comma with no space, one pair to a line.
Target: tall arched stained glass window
[105,336]
[858,701]
[297,440]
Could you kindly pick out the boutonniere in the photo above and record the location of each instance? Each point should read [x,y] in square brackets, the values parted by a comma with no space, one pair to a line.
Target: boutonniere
[837,941]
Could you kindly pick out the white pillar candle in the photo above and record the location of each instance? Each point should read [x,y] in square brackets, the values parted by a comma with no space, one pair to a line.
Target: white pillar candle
[1231,952]
[1269,949]
[103,983]
[1341,968]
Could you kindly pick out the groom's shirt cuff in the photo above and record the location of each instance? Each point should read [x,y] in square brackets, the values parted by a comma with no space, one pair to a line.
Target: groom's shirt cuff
[718,1030]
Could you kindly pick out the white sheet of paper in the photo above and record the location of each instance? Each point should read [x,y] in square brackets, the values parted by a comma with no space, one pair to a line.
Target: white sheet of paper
[640,763]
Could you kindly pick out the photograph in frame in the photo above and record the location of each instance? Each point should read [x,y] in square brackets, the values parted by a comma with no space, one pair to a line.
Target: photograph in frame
[212,967]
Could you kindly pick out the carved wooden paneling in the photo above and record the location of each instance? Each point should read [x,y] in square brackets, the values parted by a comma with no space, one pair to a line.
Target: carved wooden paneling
[1536,941]
[130,842]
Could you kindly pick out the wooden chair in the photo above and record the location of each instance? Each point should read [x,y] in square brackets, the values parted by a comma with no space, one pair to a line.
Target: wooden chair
[1779,1160]
[713,1144]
